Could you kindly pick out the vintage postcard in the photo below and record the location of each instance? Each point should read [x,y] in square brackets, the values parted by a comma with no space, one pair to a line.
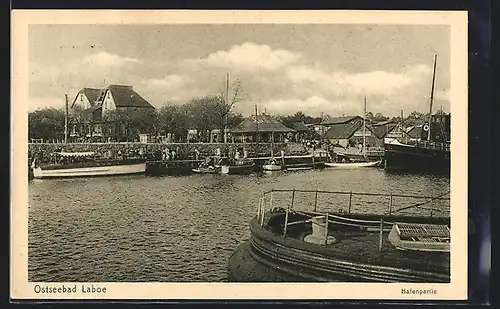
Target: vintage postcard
[239,155]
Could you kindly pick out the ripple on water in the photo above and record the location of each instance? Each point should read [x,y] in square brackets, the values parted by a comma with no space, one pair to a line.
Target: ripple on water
[162,229]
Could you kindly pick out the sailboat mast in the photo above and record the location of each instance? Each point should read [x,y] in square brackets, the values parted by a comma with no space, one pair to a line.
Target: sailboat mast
[364,130]
[432,97]
[257,131]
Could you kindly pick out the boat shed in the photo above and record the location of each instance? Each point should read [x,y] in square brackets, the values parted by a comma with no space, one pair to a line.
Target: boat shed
[342,129]
[301,131]
[348,131]
[262,128]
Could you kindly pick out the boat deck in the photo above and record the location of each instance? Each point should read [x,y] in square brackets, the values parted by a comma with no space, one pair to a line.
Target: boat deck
[361,246]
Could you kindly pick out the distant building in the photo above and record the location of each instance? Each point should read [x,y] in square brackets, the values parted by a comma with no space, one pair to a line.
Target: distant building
[348,131]
[263,128]
[301,131]
[91,105]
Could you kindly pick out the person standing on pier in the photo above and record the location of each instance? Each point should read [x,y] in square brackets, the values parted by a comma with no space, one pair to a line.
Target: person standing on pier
[196,154]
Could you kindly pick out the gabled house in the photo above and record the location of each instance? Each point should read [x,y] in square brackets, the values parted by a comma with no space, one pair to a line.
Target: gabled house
[264,128]
[348,131]
[91,105]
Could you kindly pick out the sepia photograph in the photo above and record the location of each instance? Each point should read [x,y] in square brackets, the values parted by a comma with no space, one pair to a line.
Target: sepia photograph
[240,148]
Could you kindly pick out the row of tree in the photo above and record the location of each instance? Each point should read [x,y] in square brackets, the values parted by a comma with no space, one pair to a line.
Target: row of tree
[202,114]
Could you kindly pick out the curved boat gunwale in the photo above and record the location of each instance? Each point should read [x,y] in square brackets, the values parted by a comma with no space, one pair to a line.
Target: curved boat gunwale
[266,243]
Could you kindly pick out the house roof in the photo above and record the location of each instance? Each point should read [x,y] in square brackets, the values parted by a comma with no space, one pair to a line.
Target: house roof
[300,126]
[125,96]
[91,109]
[266,123]
[414,131]
[344,130]
[381,129]
[328,120]
[92,94]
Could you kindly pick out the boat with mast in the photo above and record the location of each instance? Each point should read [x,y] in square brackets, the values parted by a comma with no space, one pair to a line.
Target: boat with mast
[431,152]
[347,162]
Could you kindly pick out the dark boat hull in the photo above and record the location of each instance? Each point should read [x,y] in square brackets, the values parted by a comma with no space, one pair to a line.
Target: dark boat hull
[415,159]
[270,257]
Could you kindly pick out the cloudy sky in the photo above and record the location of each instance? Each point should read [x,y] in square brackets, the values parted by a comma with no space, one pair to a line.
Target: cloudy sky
[282,68]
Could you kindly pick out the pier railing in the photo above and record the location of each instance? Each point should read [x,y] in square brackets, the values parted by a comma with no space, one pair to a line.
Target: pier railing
[433,145]
[287,201]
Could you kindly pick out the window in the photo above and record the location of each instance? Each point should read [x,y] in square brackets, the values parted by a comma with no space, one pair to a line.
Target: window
[81,98]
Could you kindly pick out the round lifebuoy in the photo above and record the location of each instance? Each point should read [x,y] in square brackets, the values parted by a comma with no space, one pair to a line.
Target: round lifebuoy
[426,127]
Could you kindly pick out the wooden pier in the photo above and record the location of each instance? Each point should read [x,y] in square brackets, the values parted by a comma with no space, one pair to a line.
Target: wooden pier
[180,167]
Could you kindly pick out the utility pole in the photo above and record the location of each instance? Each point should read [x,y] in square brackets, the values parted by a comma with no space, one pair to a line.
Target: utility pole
[66,119]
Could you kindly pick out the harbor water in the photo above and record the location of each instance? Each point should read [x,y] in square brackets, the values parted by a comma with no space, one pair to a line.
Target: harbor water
[175,228]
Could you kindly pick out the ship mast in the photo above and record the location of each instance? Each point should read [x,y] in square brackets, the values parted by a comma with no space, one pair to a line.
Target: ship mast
[256,131]
[432,98]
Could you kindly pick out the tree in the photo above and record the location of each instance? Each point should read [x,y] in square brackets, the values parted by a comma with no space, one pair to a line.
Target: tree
[174,119]
[228,104]
[47,123]
[380,117]
[129,122]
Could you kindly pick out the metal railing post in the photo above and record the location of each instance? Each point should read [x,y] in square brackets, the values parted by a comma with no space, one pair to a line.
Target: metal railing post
[271,201]
[315,199]
[286,222]
[293,198]
[381,236]
[259,209]
[326,229]
[390,206]
[350,199]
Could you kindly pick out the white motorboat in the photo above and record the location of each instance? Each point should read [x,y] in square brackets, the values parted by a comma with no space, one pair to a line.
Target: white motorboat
[85,164]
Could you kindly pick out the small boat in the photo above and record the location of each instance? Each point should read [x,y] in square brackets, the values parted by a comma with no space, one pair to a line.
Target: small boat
[294,244]
[272,165]
[346,161]
[86,164]
[353,164]
[206,170]
[211,165]
[240,166]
